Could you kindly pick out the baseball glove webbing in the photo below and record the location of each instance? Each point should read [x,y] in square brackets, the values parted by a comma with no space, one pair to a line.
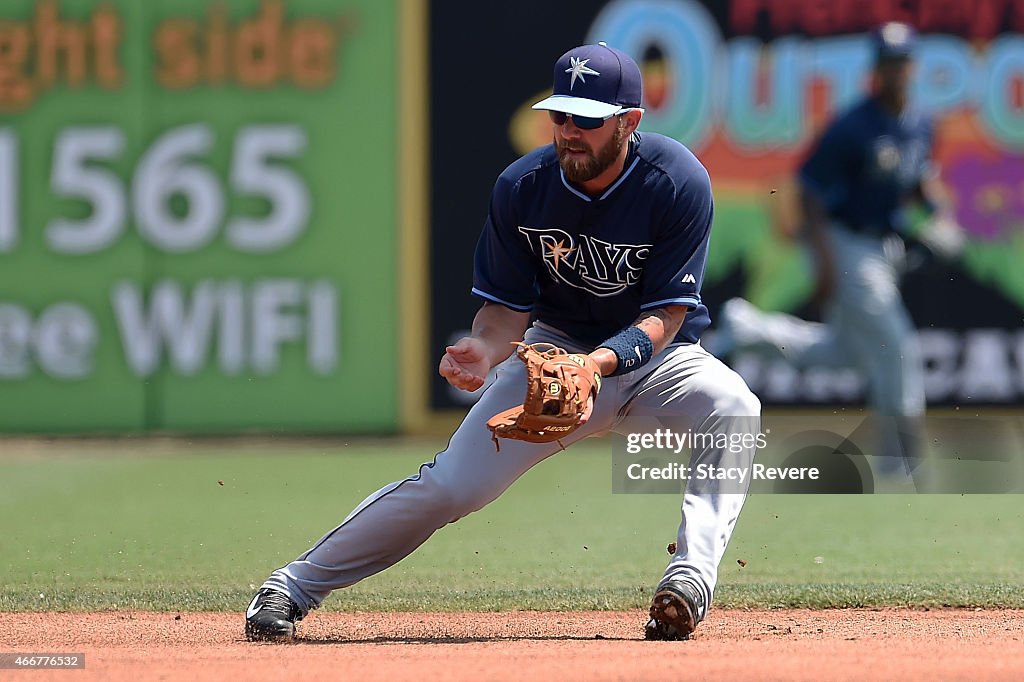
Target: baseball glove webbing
[558,386]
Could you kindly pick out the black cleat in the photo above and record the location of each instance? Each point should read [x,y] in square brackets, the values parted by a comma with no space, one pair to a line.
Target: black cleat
[675,612]
[271,617]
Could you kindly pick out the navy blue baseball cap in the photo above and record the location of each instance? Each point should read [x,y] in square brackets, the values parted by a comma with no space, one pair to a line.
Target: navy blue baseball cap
[596,81]
[894,40]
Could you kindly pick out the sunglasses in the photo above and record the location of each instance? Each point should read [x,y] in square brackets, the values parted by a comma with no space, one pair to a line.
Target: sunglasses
[582,122]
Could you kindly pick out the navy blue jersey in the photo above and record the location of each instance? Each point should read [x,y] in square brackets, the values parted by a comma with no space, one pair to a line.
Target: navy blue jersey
[589,265]
[867,166]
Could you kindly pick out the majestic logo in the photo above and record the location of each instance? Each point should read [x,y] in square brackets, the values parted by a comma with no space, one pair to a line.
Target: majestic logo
[588,263]
[578,68]
[689,279]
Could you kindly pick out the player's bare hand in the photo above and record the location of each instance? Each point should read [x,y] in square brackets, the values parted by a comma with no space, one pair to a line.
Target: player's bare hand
[465,364]
[944,238]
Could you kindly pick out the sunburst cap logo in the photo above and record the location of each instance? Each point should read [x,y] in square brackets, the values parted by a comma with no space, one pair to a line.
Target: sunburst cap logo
[578,68]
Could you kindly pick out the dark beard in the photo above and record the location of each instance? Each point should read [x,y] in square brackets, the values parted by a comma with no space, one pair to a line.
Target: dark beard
[580,171]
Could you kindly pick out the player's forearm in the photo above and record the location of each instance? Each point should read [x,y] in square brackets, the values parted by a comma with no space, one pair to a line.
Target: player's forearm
[935,196]
[661,325]
[815,218]
[499,327]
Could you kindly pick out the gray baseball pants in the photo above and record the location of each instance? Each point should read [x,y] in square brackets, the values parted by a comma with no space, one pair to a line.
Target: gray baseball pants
[867,328]
[684,382]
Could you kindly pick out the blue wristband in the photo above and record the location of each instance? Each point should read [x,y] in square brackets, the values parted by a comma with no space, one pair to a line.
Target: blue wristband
[632,347]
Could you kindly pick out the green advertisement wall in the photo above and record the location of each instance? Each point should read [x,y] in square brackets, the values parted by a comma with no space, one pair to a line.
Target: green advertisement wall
[197,215]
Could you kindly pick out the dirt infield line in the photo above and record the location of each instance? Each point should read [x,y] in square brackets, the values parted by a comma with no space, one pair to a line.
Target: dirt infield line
[887,644]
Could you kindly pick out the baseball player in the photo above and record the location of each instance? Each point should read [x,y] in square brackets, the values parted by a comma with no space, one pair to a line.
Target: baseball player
[595,244]
[869,163]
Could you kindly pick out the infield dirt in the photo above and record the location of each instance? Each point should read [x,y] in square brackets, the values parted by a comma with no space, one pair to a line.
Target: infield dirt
[887,644]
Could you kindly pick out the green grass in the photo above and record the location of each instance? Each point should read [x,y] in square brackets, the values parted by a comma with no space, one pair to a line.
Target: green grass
[145,524]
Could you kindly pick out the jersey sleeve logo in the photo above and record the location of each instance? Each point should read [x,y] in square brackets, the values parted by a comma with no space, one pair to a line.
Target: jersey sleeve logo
[588,263]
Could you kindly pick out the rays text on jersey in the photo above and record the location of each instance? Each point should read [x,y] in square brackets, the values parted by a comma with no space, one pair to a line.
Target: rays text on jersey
[586,262]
